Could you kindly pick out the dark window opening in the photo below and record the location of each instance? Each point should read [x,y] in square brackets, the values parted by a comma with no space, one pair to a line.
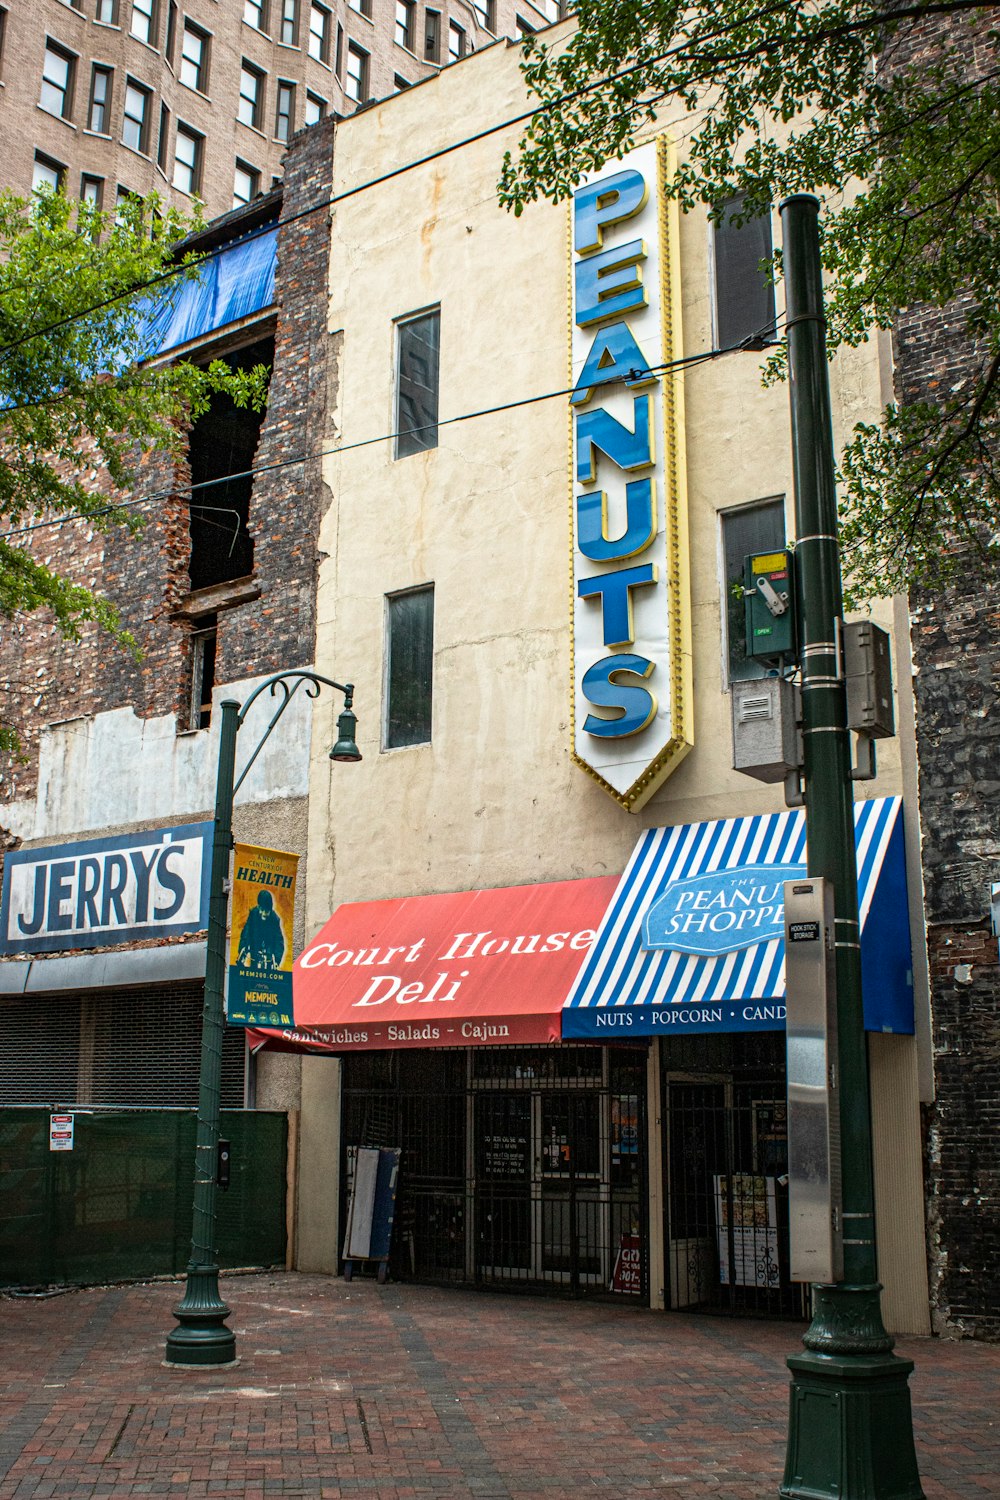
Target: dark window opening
[223,442]
[410,668]
[759,527]
[744,297]
[204,639]
[418,354]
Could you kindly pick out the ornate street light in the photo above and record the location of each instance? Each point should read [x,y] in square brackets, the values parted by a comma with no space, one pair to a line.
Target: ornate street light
[201,1337]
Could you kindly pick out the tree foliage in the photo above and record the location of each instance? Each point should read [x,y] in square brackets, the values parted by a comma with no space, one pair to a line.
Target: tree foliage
[77,408]
[890,113]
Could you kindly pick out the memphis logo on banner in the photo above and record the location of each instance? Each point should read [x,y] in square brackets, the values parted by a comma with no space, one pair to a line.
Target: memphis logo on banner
[260,944]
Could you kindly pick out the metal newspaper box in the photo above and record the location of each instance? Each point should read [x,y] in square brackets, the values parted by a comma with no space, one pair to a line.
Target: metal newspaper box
[814,1181]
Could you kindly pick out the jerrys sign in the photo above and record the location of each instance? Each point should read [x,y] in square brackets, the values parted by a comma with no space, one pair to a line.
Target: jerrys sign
[103,891]
[631,652]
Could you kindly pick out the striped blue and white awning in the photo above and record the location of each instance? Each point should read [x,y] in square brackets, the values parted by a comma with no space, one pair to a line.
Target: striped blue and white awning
[693,940]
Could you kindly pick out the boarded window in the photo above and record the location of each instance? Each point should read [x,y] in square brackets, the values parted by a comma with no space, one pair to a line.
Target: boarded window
[759,527]
[409,669]
[744,297]
[418,349]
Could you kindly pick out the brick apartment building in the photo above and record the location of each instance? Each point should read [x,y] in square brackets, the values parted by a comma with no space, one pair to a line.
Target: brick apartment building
[199,100]
[119,756]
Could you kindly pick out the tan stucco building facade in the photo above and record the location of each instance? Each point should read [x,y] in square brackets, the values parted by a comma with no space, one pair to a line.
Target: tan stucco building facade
[496,796]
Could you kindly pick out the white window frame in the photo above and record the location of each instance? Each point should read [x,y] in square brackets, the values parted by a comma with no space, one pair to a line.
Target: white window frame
[252,104]
[194,65]
[359,79]
[132,87]
[193,167]
[145,31]
[59,60]
[319,41]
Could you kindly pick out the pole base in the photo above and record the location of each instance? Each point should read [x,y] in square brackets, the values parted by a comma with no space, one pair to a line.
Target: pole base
[201,1337]
[850,1426]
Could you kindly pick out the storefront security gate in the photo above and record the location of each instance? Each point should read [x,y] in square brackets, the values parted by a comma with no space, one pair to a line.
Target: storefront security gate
[726,1196]
[521,1167]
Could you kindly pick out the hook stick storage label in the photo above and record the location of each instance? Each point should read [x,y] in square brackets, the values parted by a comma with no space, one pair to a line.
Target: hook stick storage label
[260,944]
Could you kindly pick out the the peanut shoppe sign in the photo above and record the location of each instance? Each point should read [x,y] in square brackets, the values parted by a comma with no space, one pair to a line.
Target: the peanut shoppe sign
[631,647]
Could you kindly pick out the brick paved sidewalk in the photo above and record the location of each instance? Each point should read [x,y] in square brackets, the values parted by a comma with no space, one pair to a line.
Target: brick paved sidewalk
[386,1392]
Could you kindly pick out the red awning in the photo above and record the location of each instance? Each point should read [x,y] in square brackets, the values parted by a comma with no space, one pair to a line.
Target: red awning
[445,971]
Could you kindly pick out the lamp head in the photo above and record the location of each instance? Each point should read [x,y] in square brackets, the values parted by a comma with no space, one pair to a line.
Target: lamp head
[346,749]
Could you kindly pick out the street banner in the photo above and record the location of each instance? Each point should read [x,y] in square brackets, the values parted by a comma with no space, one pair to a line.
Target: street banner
[260,943]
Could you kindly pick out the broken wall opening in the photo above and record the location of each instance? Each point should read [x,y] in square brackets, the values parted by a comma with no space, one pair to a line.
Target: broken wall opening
[223,442]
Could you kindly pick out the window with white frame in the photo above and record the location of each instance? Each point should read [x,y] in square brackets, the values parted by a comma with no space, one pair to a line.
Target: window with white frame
[315,109]
[255,14]
[251,106]
[356,80]
[99,108]
[57,81]
[189,148]
[135,122]
[744,294]
[246,183]
[405,23]
[194,58]
[756,527]
[143,22]
[319,32]
[409,668]
[418,343]
[284,124]
[47,173]
[290,22]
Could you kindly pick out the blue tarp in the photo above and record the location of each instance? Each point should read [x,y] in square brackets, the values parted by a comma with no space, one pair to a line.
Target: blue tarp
[233,283]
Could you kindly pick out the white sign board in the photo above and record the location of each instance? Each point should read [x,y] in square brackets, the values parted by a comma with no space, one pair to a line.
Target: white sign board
[631,654]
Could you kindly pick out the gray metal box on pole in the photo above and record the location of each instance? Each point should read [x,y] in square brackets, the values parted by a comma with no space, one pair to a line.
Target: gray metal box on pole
[868,672]
[814,1167]
[767,742]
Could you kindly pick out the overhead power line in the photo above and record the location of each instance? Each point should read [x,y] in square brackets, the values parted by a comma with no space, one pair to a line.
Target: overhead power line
[754,341]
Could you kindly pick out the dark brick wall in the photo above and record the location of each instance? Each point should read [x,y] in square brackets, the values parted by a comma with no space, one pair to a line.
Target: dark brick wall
[45,679]
[956,655]
[278,629]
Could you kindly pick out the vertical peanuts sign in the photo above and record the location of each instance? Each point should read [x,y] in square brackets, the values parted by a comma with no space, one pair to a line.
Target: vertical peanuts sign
[632,708]
[260,943]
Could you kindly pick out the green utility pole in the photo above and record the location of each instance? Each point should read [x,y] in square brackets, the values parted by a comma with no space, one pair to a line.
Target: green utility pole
[201,1337]
[850,1434]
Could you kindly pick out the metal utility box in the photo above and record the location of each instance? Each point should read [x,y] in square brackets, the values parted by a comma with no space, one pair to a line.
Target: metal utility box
[767,741]
[815,1207]
[769,604]
[868,670]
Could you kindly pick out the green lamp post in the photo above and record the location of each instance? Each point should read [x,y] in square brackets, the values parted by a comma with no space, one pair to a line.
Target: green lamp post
[850,1433]
[201,1337]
